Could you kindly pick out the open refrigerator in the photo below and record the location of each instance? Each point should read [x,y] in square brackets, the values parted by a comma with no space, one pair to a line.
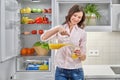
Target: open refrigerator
[21,24]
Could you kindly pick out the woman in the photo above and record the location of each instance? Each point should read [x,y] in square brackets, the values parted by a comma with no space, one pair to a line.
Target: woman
[68,68]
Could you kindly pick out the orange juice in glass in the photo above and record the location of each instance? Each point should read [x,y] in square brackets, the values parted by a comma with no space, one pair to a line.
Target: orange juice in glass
[74,54]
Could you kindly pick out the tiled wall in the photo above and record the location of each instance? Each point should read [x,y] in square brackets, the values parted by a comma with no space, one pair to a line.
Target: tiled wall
[108,44]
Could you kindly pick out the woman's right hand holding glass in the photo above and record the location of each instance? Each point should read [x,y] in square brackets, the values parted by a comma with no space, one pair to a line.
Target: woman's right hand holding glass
[76,52]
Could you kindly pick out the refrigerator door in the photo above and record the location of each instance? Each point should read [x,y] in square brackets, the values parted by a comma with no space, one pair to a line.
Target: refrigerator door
[8,29]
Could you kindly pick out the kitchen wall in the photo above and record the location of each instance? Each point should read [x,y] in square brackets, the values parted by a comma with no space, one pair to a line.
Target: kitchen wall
[108,44]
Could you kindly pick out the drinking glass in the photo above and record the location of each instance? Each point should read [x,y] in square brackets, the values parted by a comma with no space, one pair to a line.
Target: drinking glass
[74,51]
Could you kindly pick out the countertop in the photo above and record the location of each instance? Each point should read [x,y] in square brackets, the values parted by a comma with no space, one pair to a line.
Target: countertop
[99,71]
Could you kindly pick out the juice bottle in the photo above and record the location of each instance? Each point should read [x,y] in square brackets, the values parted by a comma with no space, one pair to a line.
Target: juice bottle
[57,45]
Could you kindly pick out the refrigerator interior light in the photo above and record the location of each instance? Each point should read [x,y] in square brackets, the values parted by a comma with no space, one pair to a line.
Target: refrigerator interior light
[35,0]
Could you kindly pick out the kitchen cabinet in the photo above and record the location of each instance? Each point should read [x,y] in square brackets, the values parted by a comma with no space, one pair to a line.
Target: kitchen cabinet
[115,15]
[100,79]
[115,1]
[104,6]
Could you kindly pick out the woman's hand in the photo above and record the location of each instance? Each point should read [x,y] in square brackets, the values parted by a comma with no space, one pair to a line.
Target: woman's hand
[77,52]
[80,55]
[62,31]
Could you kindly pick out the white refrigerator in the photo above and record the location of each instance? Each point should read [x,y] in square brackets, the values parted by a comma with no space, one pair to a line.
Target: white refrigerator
[21,24]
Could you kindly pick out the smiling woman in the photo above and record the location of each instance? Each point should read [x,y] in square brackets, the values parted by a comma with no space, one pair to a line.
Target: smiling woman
[73,28]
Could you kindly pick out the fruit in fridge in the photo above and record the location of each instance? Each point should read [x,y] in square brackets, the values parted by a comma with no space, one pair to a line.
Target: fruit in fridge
[28,10]
[22,10]
[39,10]
[41,32]
[34,31]
[39,20]
[23,51]
[25,10]
[32,50]
[49,10]
[27,52]
[34,10]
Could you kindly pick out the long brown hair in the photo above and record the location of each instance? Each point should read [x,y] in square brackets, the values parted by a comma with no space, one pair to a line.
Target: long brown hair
[76,8]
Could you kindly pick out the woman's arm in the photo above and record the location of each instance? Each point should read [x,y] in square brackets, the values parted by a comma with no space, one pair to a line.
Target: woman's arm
[49,33]
[53,31]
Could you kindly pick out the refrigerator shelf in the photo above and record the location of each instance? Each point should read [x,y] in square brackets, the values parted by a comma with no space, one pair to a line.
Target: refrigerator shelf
[31,34]
[34,71]
[27,14]
[30,27]
[34,57]
[34,1]
[38,24]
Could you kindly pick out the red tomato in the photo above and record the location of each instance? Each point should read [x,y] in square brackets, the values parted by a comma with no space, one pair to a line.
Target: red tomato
[39,20]
[49,10]
[45,18]
[45,22]
[41,31]
[34,32]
